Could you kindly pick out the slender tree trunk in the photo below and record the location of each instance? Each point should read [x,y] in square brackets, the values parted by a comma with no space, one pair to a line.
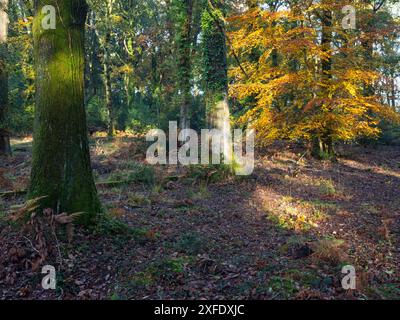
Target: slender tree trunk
[5,148]
[61,168]
[108,88]
[322,142]
[94,67]
[185,68]
[107,71]
[368,24]
[216,77]
[367,45]
[393,88]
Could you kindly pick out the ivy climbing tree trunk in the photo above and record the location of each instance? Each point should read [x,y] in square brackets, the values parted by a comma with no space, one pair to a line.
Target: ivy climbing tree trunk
[5,148]
[61,170]
[185,53]
[216,75]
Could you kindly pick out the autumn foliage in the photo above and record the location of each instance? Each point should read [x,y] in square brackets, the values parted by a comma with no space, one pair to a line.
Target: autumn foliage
[283,80]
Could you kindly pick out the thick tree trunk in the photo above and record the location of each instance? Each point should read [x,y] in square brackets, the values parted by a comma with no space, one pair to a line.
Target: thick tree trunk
[5,148]
[185,68]
[216,78]
[61,168]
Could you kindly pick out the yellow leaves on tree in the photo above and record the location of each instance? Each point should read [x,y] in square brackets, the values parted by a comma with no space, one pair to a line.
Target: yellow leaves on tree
[285,90]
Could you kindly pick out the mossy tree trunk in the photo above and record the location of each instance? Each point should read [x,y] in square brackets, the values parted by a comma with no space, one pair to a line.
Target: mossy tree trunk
[5,148]
[184,43]
[216,75]
[61,168]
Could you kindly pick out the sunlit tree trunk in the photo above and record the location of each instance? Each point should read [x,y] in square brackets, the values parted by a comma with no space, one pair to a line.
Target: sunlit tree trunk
[5,148]
[216,76]
[323,143]
[61,168]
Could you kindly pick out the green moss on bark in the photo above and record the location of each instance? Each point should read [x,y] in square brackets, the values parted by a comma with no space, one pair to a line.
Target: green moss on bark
[215,60]
[216,76]
[61,168]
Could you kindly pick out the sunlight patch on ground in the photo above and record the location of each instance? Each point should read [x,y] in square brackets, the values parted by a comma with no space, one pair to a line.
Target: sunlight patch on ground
[290,213]
[375,168]
[21,142]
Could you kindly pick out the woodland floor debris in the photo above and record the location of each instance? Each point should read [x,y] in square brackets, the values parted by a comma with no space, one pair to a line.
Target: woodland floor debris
[273,235]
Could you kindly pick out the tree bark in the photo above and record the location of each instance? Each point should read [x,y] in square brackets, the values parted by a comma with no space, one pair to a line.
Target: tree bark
[185,68]
[323,142]
[216,77]
[61,170]
[107,71]
[108,88]
[5,148]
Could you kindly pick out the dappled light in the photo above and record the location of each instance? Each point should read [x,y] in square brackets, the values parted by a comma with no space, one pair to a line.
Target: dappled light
[199,150]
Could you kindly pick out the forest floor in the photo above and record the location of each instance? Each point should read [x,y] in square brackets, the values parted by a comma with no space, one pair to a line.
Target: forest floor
[284,232]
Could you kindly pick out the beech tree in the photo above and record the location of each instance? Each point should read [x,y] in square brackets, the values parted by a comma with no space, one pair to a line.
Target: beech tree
[61,171]
[316,91]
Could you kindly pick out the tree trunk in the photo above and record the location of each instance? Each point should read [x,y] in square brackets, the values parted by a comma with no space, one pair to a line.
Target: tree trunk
[5,148]
[322,142]
[185,68]
[108,88]
[94,67]
[216,78]
[107,71]
[61,168]
[367,26]
[393,89]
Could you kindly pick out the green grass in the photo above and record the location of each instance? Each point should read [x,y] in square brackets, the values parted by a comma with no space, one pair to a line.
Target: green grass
[283,288]
[327,187]
[108,225]
[190,243]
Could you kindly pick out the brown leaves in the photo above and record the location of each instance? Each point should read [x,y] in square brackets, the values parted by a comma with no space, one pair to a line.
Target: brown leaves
[5,183]
[65,218]
[39,230]
[28,208]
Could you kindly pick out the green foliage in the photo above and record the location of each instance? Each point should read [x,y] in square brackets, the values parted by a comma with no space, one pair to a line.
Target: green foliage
[190,243]
[108,225]
[165,270]
[143,174]
[96,113]
[327,187]
[390,134]
[136,173]
[214,57]
[283,287]
[213,173]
